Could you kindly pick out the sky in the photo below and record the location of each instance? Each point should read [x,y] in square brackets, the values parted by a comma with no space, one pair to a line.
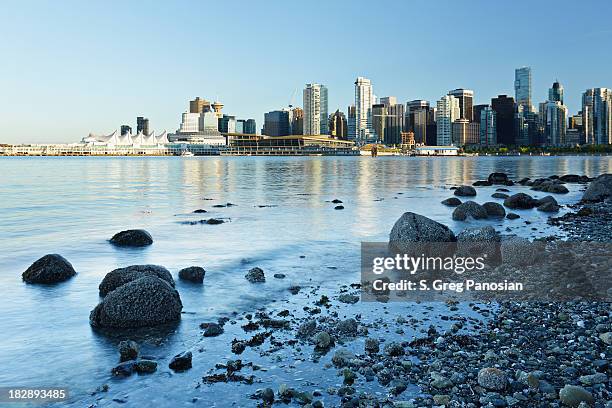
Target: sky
[68,68]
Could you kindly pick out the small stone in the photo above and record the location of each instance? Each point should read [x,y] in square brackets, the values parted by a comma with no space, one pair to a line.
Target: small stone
[128,350]
[279,276]
[394,349]
[342,357]
[212,329]
[441,399]
[606,338]
[372,345]
[132,238]
[339,207]
[573,395]
[181,362]
[255,275]
[193,274]
[592,379]
[267,395]
[465,191]
[145,366]
[323,341]
[492,379]
[439,381]
[124,369]
[348,298]
[512,216]
[452,202]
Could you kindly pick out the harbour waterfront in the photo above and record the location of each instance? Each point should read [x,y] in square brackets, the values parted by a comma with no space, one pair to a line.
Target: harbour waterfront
[281,212]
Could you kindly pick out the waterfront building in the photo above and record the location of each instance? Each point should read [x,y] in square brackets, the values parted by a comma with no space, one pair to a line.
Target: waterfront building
[276,123]
[418,117]
[227,124]
[597,115]
[466,102]
[379,117]
[393,122]
[126,130]
[555,123]
[315,110]
[199,127]
[466,132]
[477,109]
[488,127]
[364,99]
[297,121]
[446,113]
[351,122]
[199,105]
[338,126]
[555,93]
[250,127]
[503,106]
[408,140]
[522,88]
[142,125]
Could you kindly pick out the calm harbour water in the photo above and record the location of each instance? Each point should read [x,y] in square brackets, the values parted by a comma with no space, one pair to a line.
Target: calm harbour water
[72,206]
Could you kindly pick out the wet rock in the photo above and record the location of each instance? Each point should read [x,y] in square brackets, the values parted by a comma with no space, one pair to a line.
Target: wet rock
[465,191]
[307,328]
[145,366]
[500,195]
[480,183]
[214,221]
[294,289]
[494,209]
[573,395]
[200,211]
[469,209]
[349,376]
[550,186]
[323,341]
[336,201]
[121,276]
[342,357]
[503,190]
[147,301]
[279,276]
[593,379]
[124,369]
[548,207]
[339,207]
[128,350]
[498,178]
[397,387]
[348,298]
[372,345]
[520,200]
[394,349]
[51,268]
[193,274]
[599,189]
[512,216]
[414,234]
[267,396]
[452,202]
[584,212]
[347,327]
[545,200]
[181,362]
[492,379]
[132,238]
[212,329]
[255,275]
[571,178]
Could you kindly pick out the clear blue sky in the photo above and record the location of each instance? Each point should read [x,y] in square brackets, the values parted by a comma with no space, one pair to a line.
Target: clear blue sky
[68,68]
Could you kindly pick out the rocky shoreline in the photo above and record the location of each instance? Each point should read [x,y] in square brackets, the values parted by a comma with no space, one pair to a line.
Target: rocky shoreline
[370,354]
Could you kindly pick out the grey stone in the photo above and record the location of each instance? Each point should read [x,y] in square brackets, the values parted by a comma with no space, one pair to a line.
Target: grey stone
[520,201]
[121,276]
[500,195]
[255,275]
[573,395]
[132,238]
[494,209]
[181,362]
[465,191]
[599,189]
[415,234]
[492,379]
[193,274]
[128,350]
[452,202]
[51,268]
[469,209]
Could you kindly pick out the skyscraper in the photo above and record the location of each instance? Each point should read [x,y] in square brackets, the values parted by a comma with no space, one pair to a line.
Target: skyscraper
[227,124]
[351,122]
[297,121]
[276,123]
[142,125]
[364,99]
[597,115]
[199,105]
[527,127]
[315,110]
[250,127]
[503,106]
[394,121]
[466,132]
[418,117]
[446,113]
[555,93]
[477,110]
[522,87]
[338,125]
[555,123]
[379,118]
[466,102]
[488,127]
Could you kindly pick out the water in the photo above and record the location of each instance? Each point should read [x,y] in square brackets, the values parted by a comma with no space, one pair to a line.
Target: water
[72,206]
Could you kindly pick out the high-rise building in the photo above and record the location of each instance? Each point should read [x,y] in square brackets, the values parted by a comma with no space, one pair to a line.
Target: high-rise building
[364,99]
[315,110]
[488,127]
[199,105]
[126,129]
[555,93]
[394,122]
[466,132]
[555,123]
[388,100]
[276,123]
[522,87]
[338,125]
[250,127]
[528,129]
[379,119]
[466,102]
[504,109]
[597,115]
[418,117]
[240,126]
[477,110]
[227,124]
[142,125]
[351,122]
[297,121]
[446,113]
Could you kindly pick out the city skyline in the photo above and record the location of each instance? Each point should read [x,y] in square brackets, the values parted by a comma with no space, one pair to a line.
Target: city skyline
[93,76]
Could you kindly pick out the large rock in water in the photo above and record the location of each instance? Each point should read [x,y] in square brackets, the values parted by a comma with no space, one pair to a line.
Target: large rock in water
[144,302]
[121,276]
[465,191]
[415,234]
[494,209]
[50,268]
[193,274]
[599,189]
[132,238]
[520,200]
[469,209]
[498,178]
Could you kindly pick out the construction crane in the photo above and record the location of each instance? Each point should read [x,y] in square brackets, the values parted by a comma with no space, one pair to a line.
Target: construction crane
[292,97]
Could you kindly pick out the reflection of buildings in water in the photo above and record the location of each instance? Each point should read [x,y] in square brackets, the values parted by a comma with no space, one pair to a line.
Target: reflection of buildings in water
[367,220]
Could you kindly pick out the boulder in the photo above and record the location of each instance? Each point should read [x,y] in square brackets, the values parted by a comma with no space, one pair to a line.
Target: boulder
[502,190]
[372,345]
[498,178]
[550,186]
[520,200]
[145,366]
[51,268]
[469,209]
[524,181]
[599,189]
[144,302]
[255,275]
[477,242]
[132,238]
[480,183]
[494,209]
[571,178]
[492,378]
[548,207]
[547,199]
[181,362]
[503,196]
[128,350]
[452,202]
[415,234]
[520,251]
[121,276]
[512,216]
[465,191]
[193,274]
[573,395]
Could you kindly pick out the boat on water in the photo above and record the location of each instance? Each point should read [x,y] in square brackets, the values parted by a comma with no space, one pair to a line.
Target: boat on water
[187,153]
